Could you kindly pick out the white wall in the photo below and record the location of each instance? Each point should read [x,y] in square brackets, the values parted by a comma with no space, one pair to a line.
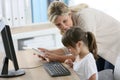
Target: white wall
[16,12]
[111,7]
[0,8]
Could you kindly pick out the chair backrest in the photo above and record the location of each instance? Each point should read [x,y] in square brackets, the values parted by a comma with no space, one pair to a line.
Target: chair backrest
[117,69]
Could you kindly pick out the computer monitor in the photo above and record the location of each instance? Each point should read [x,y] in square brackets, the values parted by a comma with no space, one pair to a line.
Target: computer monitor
[10,54]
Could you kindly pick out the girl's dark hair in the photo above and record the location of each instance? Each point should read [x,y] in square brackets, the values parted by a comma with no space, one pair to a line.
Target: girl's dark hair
[75,34]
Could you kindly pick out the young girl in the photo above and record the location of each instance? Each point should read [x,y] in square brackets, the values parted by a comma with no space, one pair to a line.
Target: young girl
[83,46]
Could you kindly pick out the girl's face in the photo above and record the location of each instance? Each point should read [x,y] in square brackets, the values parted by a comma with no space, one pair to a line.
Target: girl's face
[75,51]
[64,22]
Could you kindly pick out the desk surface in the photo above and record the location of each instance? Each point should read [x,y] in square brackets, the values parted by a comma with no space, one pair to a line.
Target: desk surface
[26,59]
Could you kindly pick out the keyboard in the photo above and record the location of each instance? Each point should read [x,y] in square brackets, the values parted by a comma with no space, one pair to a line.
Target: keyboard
[55,69]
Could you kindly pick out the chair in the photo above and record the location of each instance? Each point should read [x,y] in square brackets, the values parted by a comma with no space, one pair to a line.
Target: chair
[117,69]
[108,74]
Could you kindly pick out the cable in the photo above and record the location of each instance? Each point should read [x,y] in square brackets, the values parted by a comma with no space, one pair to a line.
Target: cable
[32,67]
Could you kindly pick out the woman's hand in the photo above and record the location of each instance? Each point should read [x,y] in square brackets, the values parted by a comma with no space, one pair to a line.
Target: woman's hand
[51,56]
[48,55]
[44,50]
[41,56]
[69,62]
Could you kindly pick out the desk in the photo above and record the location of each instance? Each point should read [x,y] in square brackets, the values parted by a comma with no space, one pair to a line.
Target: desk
[26,59]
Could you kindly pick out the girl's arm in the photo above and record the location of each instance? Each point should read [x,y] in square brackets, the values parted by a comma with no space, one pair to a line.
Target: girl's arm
[93,77]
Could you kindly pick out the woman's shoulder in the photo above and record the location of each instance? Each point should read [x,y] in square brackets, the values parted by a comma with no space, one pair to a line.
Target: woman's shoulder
[78,7]
[92,12]
[85,12]
[88,10]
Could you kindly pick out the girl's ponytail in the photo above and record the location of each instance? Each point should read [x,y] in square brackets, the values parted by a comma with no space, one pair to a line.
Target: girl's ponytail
[92,44]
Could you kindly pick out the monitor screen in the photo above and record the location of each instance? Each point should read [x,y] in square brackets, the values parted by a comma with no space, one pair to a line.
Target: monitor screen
[8,49]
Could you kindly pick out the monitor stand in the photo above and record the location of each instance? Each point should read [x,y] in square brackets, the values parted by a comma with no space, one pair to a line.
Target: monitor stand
[4,73]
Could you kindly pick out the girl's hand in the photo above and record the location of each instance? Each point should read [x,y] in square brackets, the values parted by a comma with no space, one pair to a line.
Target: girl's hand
[69,62]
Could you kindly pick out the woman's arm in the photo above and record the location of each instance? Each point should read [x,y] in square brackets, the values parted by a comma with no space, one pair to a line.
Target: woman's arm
[60,58]
[58,51]
[56,55]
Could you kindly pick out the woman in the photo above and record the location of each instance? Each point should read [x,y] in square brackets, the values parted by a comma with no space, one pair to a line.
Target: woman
[105,28]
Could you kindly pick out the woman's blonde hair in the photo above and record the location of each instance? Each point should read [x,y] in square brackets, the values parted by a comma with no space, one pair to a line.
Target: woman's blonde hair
[57,8]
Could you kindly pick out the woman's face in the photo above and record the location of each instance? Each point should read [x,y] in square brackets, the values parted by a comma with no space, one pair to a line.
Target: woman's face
[64,22]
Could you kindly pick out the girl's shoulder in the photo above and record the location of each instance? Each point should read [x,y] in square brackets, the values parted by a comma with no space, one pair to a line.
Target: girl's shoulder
[89,57]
